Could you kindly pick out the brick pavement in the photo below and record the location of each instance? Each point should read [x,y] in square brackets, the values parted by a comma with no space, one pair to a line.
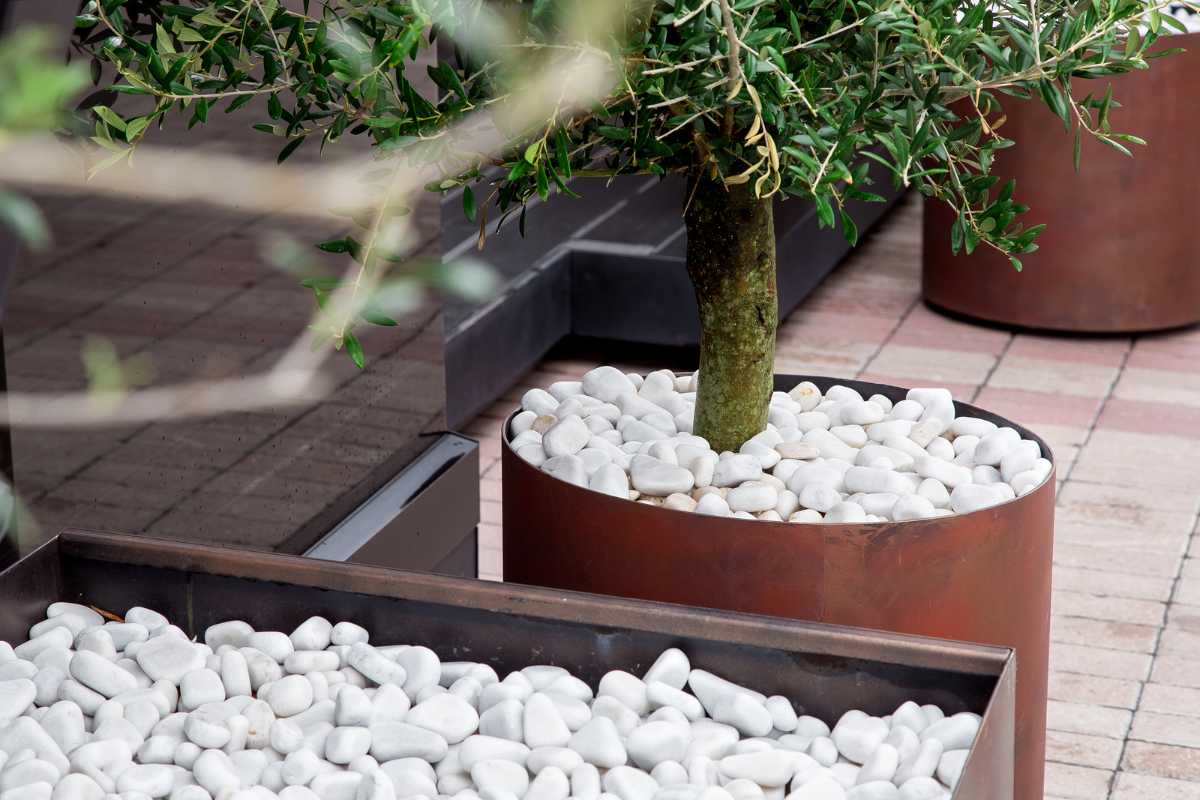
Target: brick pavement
[1121,415]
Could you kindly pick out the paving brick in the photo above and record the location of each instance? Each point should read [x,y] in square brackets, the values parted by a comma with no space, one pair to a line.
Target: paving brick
[1076,783]
[491,564]
[1160,386]
[1125,499]
[1033,408]
[1055,376]
[1112,584]
[1188,590]
[489,512]
[1108,352]
[1093,690]
[1116,609]
[1170,699]
[1176,670]
[1133,786]
[1116,559]
[1162,760]
[1099,633]
[1176,729]
[932,366]
[1082,750]
[1099,661]
[1181,636]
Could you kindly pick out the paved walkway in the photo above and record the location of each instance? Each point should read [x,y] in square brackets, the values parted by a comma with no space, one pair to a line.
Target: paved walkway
[1123,417]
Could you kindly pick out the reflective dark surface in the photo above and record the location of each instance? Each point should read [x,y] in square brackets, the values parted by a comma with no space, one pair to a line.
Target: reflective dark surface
[188,292]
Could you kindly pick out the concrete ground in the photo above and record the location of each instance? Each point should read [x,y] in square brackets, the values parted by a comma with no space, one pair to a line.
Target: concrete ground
[1122,415]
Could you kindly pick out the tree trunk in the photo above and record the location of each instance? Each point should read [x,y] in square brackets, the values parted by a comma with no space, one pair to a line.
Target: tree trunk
[731,261]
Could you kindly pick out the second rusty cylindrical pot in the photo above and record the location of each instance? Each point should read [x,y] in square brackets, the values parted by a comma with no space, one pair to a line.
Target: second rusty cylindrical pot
[1120,251]
[978,577]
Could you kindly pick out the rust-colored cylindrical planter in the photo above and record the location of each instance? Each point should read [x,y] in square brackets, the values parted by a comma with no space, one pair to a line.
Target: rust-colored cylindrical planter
[979,577]
[1120,252]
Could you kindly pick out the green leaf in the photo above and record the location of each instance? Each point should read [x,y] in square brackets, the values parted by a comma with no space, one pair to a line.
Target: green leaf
[824,211]
[289,148]
[849,229]
[135,127]
[1016,262]
[1078,145]
[611,132]
[354,349]
[469,203]
[531,152]
[376,317]
[561,151]
[334,246]
[25,219]
[1134,43]
[110,117]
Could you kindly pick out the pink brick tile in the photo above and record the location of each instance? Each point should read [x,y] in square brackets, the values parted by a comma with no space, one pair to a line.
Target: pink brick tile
[1098,633]
[1100,661]
[491,564]
[1139,416]
[1029,408]
[1162,760]
[1170,699]
[1135,786]
[1093,690]
[1176,670]
[490,513]
[1132,559]
[1189,583]
[1111,584]
[1142,357]
[1159,386]
[1082,750]
[1054,376]
[1088,350]
[1153,726]
[491,489]
[1076,783]
[1164,541]
[925,328]
[926,366]
[1181,636]
[1088,719]
[1116,609]
[832,327]
[491,536]
[1124,500]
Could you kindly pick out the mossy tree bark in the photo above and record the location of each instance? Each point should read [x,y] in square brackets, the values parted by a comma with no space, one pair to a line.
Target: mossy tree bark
[731,261]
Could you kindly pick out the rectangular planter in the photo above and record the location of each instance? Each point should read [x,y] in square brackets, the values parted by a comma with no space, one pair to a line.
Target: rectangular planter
[829,669]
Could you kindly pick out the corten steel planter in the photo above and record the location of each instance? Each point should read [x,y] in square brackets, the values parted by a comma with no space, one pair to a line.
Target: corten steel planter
[832,669]
[1120,251]
[979,577]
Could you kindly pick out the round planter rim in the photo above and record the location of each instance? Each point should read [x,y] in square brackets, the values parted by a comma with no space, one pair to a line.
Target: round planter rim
[824,382]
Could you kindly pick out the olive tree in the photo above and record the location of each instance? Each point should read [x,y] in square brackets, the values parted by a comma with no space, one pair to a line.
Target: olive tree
[751,100]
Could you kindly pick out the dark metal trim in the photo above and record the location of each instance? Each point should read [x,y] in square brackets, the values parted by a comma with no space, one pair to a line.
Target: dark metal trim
[418,519]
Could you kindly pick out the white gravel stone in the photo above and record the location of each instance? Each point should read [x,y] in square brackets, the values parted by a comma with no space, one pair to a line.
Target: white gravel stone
[950,767]
[752,496]
[241,727]
[658,478]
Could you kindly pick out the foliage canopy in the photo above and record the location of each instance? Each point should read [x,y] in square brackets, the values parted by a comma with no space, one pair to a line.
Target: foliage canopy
[811,89]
